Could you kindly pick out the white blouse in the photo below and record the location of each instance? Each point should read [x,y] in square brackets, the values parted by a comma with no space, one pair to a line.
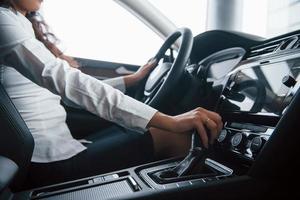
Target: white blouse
[36,81]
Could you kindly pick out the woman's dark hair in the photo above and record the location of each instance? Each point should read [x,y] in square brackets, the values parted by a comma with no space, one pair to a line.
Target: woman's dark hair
[43,34]
[5,3]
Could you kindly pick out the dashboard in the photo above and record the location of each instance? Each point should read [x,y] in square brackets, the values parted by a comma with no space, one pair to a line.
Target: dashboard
[254,90]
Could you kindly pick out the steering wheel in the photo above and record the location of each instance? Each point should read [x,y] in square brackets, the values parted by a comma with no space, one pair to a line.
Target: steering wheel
[160,82]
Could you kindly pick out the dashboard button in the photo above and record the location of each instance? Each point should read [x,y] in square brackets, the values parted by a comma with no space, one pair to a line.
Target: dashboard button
[257,144]
[289,81]
[110,177]
[238,141]
[223,135]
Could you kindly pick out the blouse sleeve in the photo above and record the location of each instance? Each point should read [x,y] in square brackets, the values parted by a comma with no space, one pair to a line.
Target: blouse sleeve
[33,60]
[117,83]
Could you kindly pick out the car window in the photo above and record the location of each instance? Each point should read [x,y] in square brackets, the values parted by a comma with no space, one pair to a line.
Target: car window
[100,30]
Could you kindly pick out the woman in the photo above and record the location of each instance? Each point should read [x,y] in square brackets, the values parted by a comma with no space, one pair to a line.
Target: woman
[36,76]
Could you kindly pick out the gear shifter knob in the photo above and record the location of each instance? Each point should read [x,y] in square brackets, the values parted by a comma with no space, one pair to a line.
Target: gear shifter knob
[196,141]
[196,154]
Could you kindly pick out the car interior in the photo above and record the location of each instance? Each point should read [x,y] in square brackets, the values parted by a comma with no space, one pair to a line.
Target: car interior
[252,82]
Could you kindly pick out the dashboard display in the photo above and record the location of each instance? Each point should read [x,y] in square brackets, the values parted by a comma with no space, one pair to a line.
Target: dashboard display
[266,88]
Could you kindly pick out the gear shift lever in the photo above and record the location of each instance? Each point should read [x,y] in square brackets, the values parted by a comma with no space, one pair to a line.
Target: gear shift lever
[196,154]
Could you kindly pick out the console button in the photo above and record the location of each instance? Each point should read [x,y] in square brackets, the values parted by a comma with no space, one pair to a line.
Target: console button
[289,81]
[223,135]
[183,184]
[256,144]
[98,179]
[110,177]
[239,140]
[170,185]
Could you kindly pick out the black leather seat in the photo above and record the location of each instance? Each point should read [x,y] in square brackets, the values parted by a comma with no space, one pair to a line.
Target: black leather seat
[16,141]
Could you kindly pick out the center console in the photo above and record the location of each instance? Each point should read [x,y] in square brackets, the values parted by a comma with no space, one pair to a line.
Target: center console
[129,181]
[252,99]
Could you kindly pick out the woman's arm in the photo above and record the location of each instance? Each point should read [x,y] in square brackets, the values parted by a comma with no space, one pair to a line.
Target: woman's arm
[117,83]
[32,59]
[123,82]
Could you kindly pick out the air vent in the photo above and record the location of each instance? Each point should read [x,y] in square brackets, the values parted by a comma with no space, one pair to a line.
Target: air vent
[288,43]
[283,44]
[297,44]
[264,49]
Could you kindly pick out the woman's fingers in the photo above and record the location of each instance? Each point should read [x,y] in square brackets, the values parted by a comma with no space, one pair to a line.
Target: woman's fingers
[146,69]
[215,116]
[203,134]
[151,64]
[152,61]
[212,121]
[213,129]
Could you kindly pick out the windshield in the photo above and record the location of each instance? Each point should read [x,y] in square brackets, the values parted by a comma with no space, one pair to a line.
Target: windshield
[265,18]
[106,31]
[188,13]
[269,18]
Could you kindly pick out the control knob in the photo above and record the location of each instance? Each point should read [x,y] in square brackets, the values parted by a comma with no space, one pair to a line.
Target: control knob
[256,144]
[238,141]
[224,136]
[289,81]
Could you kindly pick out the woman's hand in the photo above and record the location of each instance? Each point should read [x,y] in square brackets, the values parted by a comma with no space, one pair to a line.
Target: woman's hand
[139,75]
[207,123]
[72,62]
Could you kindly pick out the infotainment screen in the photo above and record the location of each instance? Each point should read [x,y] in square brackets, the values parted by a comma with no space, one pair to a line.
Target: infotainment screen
[264,88]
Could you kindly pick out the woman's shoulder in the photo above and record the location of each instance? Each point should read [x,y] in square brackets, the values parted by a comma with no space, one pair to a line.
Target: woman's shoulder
[3,9]
[7,16]
[6,12]
[11,30]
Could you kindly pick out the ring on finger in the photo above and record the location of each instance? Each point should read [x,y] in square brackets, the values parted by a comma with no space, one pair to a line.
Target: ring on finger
[207,120]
